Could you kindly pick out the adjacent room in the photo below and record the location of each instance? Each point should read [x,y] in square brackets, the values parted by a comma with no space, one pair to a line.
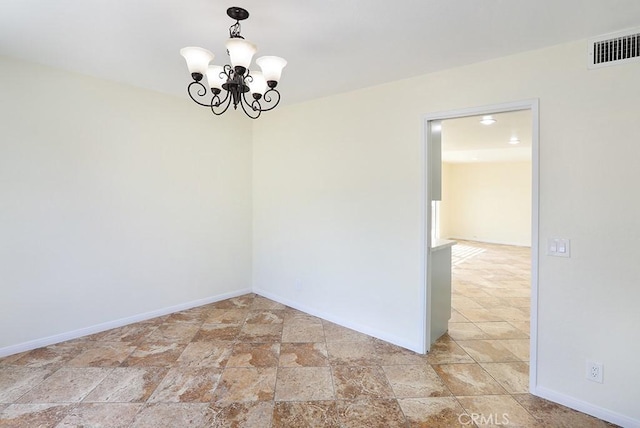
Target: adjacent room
[240,239]
[486,207]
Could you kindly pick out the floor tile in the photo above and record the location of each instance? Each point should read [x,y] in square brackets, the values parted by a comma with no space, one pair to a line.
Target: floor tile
[53,356]
[17,381]
[187,385]
[352,353]
[556,415]
[434,412]
[497,410]
[127,385]
[518,302]
[506,293]
[240,302]
[468,379]
[175,332]
[173,415]
[256,414]
[103,354]
[133,333]
[370,413]
[303,333]
[226,316]
[512,314]
[113,415]
[490,302]
[190,316]
[487,350]
[465,331]
[67,385]
[154,355]
[475,292]
[261,333]
[304,384]
[206,354]
[457,317]
[522,326]
[11,359]
[446,351]
[254,355]
[289,414]
[514,377]
[480,314]
[294,317]
[263,303]
[265,316]
[353,383]
[389,354]
[217,332]
[460,303]
[415,381]
[501,330]
[337,333]
[303,355]
[246,384]
[518,347]
[34,415]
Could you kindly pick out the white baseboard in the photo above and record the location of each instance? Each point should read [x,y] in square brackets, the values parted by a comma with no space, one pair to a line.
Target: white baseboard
[415,347]
[70,335]
[588,408]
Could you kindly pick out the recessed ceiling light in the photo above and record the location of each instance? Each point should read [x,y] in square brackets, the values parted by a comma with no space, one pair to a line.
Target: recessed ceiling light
[487,120]
[514,140]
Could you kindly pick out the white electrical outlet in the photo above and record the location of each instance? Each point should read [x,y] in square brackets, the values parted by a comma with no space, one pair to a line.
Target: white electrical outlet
[595,371]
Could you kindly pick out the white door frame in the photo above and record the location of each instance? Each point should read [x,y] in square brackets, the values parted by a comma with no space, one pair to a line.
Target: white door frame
[533,105]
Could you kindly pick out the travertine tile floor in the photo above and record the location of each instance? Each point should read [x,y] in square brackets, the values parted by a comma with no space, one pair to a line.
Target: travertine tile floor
[252,362]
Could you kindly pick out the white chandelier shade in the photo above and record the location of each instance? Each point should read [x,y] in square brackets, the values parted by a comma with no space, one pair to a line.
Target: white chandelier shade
[258,84]
[271,67]
[241,52]
[216,76]
[229,84]
[198,59]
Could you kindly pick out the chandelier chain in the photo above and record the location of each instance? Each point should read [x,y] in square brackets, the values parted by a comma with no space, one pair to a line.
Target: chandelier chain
[234,31]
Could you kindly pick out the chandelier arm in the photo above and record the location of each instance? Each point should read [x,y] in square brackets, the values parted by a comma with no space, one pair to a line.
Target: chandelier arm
[268,98]
[244,103]
[227,99]
[201,92]
[219,102]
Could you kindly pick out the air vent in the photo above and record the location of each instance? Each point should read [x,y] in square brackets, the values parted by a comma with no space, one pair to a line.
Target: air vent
[616,48]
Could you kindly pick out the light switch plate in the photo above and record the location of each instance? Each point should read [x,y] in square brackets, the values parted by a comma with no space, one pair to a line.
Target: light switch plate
[559,247]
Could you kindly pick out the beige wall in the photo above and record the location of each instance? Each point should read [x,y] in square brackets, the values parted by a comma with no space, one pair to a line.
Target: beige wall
[487,202]
[337,210]
[115,202]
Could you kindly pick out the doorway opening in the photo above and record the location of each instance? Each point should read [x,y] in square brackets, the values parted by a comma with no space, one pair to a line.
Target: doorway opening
[481,190]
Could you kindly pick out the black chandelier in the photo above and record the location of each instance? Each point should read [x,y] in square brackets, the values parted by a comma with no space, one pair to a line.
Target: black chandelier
[235,79]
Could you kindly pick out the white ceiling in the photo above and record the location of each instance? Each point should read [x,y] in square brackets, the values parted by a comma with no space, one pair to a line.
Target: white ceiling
[332,46]
[466,140]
